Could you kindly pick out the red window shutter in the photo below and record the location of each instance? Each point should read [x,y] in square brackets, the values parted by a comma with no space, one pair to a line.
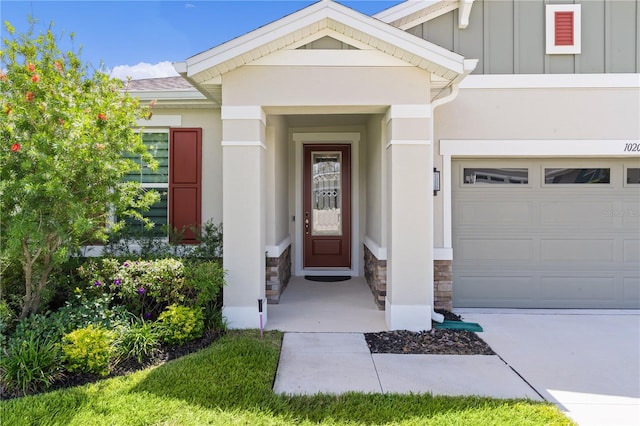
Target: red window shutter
[564,29]
[185,176]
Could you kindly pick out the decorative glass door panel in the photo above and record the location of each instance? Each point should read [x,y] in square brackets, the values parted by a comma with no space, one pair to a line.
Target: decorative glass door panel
[326,193]
[327,206]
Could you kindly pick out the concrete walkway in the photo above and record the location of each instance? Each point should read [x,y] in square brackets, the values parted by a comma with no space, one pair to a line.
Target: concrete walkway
[586,362]
[341,362]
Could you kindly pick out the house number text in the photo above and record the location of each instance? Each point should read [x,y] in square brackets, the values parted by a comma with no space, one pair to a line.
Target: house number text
[632,147]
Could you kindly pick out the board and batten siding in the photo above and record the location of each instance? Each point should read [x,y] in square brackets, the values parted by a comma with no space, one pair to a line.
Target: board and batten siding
[508,37]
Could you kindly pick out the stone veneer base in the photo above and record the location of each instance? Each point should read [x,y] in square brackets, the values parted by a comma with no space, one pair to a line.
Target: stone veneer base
[375,272]
[278,274]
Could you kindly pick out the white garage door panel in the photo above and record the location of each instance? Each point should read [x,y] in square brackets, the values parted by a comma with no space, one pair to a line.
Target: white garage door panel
[506,290]
[540,245]
[507,213]
[572,213]
[631,290]
[631,250]
[577,288]
[577,251]
[492,250]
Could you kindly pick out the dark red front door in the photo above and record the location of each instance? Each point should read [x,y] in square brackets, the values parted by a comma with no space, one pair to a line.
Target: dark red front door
[327,206]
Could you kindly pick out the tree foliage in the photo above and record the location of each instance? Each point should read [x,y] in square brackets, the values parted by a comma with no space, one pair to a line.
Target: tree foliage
[64,136]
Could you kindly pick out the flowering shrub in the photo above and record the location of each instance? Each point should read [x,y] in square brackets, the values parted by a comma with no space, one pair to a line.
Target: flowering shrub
[88,350]
[180,324]
[63,133]
[145,287]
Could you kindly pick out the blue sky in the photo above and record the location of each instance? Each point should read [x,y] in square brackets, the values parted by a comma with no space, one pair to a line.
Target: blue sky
[122,34]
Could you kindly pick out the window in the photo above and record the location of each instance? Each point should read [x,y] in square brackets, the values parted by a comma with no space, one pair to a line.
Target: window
[157,144]
[633,175]
[474,176]
[577,176]
[563,29]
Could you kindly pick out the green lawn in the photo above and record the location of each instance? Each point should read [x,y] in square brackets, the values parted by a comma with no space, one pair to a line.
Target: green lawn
[230,383]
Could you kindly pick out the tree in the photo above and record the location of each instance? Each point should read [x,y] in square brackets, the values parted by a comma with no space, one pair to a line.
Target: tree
[67,138]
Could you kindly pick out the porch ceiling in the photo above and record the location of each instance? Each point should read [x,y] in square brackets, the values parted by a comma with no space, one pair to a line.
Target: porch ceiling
[324,18]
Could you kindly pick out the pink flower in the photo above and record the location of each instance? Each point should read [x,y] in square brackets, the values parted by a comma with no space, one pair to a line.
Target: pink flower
[35,78]
[102,116]
[15,147]
[31,67]
[29,96]
[57,65]
[3,76]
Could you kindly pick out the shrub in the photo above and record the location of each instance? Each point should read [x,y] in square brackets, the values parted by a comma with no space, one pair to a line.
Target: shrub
[77,313]
[88,350]
[145,287]
[179,324]
[145,244]
[139,340]
[207,279]
[209,236]
[29,365]
[6,318]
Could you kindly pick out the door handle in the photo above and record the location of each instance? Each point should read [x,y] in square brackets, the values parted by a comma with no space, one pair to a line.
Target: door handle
[306,223]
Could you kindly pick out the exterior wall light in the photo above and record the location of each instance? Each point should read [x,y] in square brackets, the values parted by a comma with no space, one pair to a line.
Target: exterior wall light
[436,181]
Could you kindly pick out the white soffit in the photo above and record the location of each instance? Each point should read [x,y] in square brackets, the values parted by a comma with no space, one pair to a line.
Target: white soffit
[318,20]
[412,13]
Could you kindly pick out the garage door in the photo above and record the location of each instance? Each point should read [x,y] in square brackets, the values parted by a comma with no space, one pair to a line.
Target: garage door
[546,233]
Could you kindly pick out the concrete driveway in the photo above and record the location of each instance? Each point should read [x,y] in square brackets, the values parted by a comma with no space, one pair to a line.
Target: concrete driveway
[587,362]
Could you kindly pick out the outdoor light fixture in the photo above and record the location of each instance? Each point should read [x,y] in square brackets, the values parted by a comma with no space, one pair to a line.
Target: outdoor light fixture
[436,181]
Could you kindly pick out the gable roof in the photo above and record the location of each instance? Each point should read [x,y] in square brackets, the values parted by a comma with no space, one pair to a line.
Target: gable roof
[311,23]
[412,13]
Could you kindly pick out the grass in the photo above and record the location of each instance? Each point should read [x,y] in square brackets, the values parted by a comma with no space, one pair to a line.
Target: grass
[230,383]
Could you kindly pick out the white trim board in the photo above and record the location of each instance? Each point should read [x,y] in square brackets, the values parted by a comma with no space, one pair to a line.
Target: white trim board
[157,120]
[439,253]
[243,112]
[277,250]
[450,149]
[550,81]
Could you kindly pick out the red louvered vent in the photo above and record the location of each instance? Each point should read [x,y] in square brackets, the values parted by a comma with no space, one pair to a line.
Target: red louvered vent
[564,29]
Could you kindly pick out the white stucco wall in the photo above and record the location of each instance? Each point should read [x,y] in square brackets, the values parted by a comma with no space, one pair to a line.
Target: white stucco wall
[325,86]
[551,113]
[277,180]
[376,186]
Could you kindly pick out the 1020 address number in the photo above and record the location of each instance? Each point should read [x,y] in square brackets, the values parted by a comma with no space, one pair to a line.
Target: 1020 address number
[632,147]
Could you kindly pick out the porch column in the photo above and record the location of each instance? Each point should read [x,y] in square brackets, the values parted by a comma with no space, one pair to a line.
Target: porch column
[409,153]
[243,214]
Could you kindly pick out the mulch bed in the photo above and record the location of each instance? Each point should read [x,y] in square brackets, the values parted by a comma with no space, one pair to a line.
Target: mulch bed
[435,342]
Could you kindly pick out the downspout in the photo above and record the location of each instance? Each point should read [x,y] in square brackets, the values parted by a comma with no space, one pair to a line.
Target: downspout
[439,318]
[469,66]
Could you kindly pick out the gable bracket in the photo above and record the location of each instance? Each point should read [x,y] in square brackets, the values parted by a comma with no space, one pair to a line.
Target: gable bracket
[463,13]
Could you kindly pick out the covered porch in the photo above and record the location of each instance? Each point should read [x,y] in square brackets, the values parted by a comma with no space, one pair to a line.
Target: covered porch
[329,82]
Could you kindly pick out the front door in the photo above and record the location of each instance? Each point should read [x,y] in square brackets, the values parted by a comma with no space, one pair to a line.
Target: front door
[327,206]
